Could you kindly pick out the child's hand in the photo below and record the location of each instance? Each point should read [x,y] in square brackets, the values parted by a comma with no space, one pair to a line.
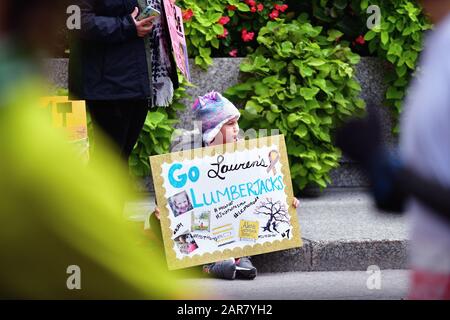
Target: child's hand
[295,203]
[157,213]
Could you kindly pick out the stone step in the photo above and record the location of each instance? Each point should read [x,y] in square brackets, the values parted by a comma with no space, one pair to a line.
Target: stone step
[341,231]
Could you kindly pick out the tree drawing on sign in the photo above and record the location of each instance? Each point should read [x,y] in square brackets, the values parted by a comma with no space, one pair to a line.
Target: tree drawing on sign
[276,212]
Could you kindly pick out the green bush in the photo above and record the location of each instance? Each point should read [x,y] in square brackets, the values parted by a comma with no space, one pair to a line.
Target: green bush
[209,35]
[301,71]
[301,82]
[399,41]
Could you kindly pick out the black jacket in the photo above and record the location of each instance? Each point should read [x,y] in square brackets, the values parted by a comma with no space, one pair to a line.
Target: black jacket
[107,58]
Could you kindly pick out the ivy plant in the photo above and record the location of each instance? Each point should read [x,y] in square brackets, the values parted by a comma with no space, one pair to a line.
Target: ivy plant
[398,39]
[301,82]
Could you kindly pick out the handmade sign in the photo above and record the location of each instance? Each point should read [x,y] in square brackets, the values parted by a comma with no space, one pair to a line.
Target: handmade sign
[174,18]
[226,201]
[71,117]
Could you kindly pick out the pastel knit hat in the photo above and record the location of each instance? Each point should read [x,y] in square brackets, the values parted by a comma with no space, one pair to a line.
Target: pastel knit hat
[213,110]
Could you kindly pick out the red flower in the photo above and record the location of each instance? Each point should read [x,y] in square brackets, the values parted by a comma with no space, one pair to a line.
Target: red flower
[247,36]
[253,9]
[233,53]
[281,8]
[224,34]
[251,3]
[360,40]
[188,14]
[231,8]
[260,7]
[224,20]
[274,14]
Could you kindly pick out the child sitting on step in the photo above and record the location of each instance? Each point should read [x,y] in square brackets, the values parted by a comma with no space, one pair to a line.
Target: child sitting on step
[219,119]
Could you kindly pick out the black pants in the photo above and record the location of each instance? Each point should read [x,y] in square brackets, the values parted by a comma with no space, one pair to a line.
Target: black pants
[121,121]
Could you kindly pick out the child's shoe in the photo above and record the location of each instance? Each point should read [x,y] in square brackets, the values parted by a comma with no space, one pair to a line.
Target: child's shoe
[245,269]
[225,269]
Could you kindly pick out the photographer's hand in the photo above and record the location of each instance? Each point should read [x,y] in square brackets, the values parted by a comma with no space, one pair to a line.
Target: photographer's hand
[144,26]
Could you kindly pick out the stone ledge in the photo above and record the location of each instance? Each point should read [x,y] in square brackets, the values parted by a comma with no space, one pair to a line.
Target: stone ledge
[225,72]
[341,231]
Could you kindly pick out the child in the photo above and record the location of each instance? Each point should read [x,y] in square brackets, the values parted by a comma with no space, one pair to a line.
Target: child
[181,203]
[219,119]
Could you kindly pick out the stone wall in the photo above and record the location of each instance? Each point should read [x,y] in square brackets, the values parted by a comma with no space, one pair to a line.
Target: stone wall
[225,72]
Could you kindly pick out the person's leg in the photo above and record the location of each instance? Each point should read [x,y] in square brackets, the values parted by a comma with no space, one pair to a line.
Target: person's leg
[121,121]
[138,114]
[109,118]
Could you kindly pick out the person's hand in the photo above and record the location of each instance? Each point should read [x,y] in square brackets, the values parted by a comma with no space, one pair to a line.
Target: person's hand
[144,26]
[157,213]
[295,203]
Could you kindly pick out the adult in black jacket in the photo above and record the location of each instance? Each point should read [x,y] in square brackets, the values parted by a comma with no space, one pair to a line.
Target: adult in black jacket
[111,67]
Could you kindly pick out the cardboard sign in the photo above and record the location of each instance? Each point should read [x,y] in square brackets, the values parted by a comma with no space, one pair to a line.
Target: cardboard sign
[226,201]
[71,117]
[174,19]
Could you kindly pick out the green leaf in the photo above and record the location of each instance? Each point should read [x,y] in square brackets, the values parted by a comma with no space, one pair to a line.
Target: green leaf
[333,35]
[242,7]
[301,131]
[253,108]
[384,37]
[155,117]
[287,47]
[314,62]
[394,93]
[370,35]
[309,93]
[218,29]
[271,116]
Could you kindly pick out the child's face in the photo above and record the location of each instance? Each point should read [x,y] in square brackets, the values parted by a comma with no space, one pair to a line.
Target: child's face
[228,134]
[181,202]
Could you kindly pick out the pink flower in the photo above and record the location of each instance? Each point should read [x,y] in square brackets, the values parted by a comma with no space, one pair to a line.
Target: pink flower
[247,36]
[260,7]
[253,9]
[224,34]
[281,8]
[188,14]
[233,53]
[251,3]
[360,40]
[224,20]
[274,14]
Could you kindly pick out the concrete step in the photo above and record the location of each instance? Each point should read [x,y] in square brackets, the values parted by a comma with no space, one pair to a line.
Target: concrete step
[341,231]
